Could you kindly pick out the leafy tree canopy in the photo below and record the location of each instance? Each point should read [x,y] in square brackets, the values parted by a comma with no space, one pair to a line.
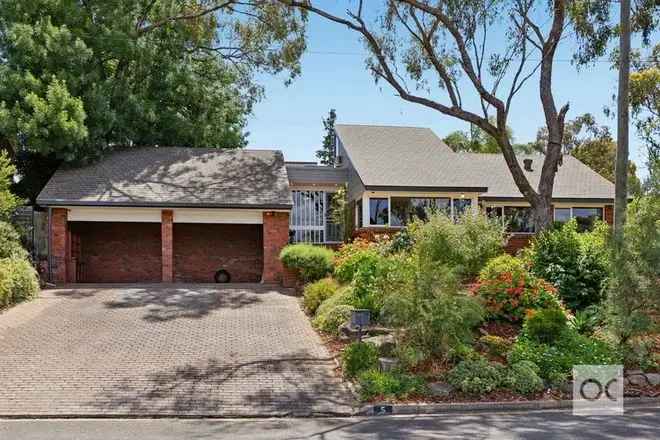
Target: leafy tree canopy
[479,141]
[645,102]
[8,201]
[79,77]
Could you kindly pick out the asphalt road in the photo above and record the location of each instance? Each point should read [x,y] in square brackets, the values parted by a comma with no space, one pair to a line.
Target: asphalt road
[637,424]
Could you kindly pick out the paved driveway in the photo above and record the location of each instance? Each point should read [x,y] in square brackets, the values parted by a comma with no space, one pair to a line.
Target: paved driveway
[165,350]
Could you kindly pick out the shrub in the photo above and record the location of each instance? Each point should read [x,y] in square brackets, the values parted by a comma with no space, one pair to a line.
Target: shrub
[359,357]
[504,263]
[18,281]
[312,262]
[545,325]
[476,376]
[523,378]
[377,384]
[353,257]
[435,315]
[10,242]
[576,263]
[496,345]
[402,241]
[587,321]
[334,311]
[555,362]
[465,244]
[509,294]
[317,292]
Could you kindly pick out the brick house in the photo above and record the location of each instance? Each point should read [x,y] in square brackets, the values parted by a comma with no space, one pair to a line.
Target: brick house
[168,214]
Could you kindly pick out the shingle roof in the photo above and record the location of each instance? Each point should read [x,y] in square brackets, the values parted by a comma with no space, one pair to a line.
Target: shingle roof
[402,157]
[305,173]
[574,180]
[175,176]
[410,157]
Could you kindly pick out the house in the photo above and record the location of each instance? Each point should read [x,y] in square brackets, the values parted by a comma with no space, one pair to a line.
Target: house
[165,214]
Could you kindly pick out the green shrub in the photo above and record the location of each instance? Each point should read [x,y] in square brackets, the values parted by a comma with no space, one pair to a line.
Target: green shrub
[359,357]
[402,241]
[555,361]
[465,244]
[476,376]
[317,292]
[496,345]
[334,312]
[312,262]
[508,291]
[523,378]
[545,325]
[577,263]
[10,242]
[353,258]
[18,281]
[587,321]
[376,384]
[435,316]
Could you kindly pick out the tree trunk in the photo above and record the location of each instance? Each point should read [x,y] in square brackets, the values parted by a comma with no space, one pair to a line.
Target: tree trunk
[542,214]
[621,168]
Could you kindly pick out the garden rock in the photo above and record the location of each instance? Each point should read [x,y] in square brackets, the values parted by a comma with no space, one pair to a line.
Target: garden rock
[638,380]
[384,343]
[440,389]
[347,332]
[388,364]
[653,378]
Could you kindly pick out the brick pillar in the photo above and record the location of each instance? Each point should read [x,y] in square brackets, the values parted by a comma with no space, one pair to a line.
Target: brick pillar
[609,214]
[167,246]
[59,245]
[276,236]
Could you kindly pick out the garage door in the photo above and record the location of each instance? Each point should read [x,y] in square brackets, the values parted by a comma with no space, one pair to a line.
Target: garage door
[201,249]
[116,252]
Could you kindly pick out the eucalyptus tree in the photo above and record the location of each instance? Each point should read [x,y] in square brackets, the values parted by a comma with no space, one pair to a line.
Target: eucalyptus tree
[448,55]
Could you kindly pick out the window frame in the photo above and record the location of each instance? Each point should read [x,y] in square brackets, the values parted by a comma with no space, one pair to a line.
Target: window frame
[387,201]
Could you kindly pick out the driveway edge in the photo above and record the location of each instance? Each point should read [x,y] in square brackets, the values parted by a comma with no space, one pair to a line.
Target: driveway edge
[484,407]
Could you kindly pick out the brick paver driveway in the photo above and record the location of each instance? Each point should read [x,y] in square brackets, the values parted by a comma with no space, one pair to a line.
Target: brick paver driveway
[202,350]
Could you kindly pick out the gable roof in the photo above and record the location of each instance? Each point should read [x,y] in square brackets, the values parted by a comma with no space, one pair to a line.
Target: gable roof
[175,177]
[309,173]
[574,180]
[414,158]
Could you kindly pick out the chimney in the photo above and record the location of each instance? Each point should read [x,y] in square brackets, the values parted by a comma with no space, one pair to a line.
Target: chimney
[527,164]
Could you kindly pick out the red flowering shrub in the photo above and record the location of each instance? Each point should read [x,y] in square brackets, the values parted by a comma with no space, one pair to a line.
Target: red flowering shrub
[510,293]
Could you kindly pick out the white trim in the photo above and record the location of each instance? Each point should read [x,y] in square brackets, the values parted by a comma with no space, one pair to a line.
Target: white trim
[153,215]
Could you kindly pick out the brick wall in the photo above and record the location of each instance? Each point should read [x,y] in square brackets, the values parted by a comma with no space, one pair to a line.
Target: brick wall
[516,242]
[59,241]
[119,252]
[275,237]
[201,249]
[609,214]
[167,242]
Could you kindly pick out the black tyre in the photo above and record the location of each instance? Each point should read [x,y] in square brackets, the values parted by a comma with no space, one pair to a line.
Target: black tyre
[222,276]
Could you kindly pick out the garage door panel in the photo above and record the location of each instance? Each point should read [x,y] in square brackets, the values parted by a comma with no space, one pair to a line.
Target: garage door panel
[118,252]
[201,249]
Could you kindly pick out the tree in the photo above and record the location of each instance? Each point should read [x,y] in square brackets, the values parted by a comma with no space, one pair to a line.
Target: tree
[326,154]
[434,44]
[79,78]
[8,201]
[478,141]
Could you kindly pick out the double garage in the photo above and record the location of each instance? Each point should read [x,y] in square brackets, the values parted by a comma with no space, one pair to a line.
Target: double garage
[130,245]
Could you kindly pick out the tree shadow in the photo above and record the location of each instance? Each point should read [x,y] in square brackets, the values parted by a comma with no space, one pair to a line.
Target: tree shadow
[291,384]
[168,303]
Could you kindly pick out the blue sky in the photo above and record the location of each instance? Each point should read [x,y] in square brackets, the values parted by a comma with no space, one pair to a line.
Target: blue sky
[334,76]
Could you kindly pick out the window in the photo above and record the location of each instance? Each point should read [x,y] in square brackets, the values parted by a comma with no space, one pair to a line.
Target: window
[519,218]
[494,211]
[461,206]
[310,220]
[406,209]
[378,211]
[586,217]
[562,214]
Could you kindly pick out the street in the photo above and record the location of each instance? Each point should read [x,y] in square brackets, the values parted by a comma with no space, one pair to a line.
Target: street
[636,424]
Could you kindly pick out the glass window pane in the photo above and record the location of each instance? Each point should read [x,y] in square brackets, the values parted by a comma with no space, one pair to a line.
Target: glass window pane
[407,209]
[586,217]
[461,206]
[562,214]
[519,218]
[378,212]
[494,211]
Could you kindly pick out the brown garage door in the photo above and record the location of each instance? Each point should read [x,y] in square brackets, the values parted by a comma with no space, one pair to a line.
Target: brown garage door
[201,249]
[120,252]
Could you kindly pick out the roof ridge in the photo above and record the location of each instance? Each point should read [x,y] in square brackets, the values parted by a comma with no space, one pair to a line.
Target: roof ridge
[384,125]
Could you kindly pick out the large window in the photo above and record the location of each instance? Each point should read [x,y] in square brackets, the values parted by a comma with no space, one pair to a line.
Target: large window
[310,220]
[406,209]
[461,206]
[519,218]
[585,217]
[379,211]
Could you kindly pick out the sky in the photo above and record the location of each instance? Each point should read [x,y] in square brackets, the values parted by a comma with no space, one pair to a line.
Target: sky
[289,118]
